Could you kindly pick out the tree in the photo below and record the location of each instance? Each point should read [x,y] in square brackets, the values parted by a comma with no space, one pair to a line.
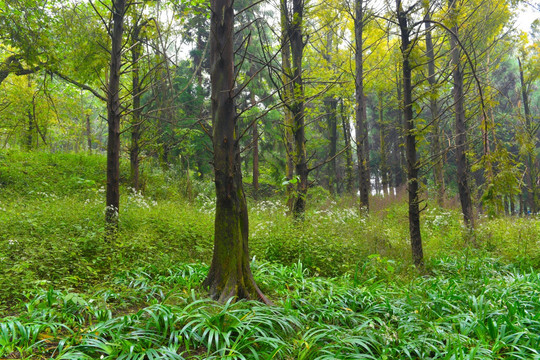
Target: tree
[114,114]
[438,176]
[410,137]
[230,274]
[460,121]
[362,145]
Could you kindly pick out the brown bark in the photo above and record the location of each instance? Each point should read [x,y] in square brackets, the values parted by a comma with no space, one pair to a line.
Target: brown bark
[461,128]
[383,149]
[88,133]
[113,120]
[438,176]
[399,157]
[230,274]
[410,142]
[297,108]
[362,146]
[532,195]
[287,99]
[331,109]
[255,131]
[134,150]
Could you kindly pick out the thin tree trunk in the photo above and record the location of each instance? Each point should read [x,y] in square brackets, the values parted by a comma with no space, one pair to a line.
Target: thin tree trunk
[300,157]
[113,121]
[349,177]
[532,195]
[134,150]
[30,130]
[438,176]
[461,129]
[287,99]
[410,143]
[331,109]
[230,274]
[255,151]
[383,149]
[88,133]
[362,146]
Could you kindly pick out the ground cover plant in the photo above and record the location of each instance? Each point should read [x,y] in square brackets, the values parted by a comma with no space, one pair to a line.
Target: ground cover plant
[341,281]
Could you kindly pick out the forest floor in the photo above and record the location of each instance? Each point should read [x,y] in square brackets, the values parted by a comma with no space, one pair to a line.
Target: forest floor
[341,281]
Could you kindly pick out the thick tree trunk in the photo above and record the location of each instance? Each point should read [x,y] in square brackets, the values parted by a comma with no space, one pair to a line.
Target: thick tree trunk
[134,151]
[349,177]
[438,176]
[230,274]
[362,146]
[410,143]
[461,129]
[297,108]
[113,121]
[532,195]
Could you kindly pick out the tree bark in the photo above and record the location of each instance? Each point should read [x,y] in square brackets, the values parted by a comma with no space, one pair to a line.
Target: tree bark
[461,127]
[383,149]
[255,131]
[532,195]
[287,99]
[438,176]
[331,109]
[362,146]
[230,274]
[410,142]
[348,153]
[113,120]
[88,133]
[134,150]
[297,108]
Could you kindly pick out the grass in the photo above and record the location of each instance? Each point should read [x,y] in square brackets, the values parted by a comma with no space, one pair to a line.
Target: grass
[342,282]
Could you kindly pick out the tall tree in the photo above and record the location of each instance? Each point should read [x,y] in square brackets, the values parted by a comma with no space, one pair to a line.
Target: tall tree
[230,274]
[438,176]
[532,173]
[296,38]
[114,114]
[410,137]
[460,120]
[362,145]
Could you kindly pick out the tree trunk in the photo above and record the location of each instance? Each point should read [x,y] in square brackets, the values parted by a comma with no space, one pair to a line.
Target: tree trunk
[438,176]
[348,153]
[461,128]
[88,133]
[255,151]
[134,151]
[532,195]
[331,109]
[300,158]
[362,146]
[113,121]
[383,149]
[230,274]
[287,99]
[410,143]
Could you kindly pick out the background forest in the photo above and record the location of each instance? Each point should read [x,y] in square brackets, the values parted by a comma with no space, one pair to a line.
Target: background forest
[386,153]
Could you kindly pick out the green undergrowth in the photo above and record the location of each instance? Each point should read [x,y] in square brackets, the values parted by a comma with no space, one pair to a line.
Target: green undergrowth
[469,308]
[341,280]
